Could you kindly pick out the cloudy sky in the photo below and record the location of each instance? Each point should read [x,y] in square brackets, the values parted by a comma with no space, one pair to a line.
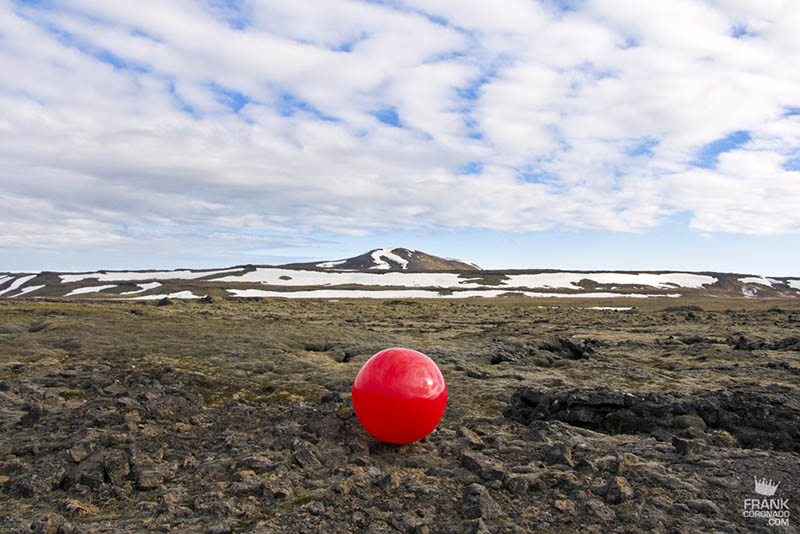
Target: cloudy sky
[591,134]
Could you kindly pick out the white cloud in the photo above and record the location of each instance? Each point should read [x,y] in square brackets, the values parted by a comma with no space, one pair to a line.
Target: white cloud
[118,117]
[749,193]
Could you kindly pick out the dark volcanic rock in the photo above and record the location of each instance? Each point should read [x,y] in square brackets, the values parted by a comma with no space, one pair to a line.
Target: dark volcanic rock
[572,350]
[741,342]
[476,502]
[482,465]
[470,437]
[704,506]
[559,454]
[116,466]
[33,415]
[216,418]
[694,340]
[150,479]
[304,457]
[618,490]
[765,417]
[77,508]
[685,447]
[690,308]
[602,511]
[47,524]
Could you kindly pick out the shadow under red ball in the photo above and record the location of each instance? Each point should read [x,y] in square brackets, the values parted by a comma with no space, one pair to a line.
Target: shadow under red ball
[399,395]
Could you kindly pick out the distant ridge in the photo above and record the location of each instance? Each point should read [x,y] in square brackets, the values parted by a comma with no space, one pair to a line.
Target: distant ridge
[389,273]
[390,259]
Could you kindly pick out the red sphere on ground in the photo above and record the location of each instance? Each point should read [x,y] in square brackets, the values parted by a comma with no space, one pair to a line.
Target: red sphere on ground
[399,395]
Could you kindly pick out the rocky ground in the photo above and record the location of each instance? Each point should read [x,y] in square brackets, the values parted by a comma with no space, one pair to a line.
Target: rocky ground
[235,416]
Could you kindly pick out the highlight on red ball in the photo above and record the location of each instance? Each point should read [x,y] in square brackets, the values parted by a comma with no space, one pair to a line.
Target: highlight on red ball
[399,395]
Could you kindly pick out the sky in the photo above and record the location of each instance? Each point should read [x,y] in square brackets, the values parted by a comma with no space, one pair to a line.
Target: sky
[563,134]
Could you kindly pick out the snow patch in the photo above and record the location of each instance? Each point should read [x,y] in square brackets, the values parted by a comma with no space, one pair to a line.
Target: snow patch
[758,280]
[544,280]
[29,289]
[122,276]
[92,289]
[176,295]
[143,287]
[329,264]
[794,284]
[380,263]
[16,283]
[4,279]
[749,292]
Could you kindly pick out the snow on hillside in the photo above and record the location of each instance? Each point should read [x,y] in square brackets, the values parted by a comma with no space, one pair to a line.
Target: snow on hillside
[17,283]
[90,289]
[406,284]
[143,287]
[570,280]
[422,293]
[272,276]
[758,280]
[176,295]
[381,255]
[337,293]
[330,264]
[122,276]
[29,289]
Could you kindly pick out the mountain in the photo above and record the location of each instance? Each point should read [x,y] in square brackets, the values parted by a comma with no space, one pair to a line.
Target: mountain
[393,274]
[390,259]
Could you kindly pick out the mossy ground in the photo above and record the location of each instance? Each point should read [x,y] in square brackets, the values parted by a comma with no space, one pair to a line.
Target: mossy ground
[274,350]
[195,389]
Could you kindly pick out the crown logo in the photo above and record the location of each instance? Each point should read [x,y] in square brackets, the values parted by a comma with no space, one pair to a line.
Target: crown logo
[766,487]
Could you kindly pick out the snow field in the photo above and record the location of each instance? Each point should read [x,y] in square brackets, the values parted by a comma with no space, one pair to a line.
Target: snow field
[176,295]
[91,289]
[422,293]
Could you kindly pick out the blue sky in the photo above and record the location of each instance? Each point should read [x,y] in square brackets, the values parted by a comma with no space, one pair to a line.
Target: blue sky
[551,134]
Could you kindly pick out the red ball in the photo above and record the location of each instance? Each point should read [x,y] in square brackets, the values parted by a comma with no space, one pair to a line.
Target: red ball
[399,395]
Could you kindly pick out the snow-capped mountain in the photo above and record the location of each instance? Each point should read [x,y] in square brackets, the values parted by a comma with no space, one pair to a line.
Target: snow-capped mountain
[391,259]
